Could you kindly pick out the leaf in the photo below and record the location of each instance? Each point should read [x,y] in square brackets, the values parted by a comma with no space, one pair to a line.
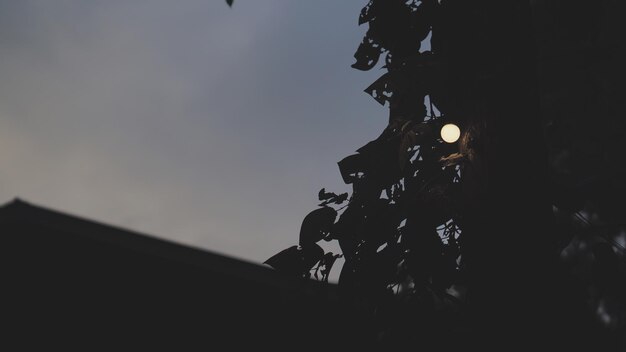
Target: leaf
[337,200]
[403,89]
[382,168]
[310,254]
[330,197]
[380,90]
[367,13]
[296,261]
[367,54]
[348,278]
[287,261]
[316,225]
[327,262]
[341,198]
[350,166]
[323,195]
[347,229]
[406,151]
[230,2]
[452,159]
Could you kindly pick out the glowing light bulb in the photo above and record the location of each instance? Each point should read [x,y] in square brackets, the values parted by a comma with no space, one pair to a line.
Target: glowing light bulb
[450,133]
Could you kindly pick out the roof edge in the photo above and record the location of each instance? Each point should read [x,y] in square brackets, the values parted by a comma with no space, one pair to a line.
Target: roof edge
[21,210]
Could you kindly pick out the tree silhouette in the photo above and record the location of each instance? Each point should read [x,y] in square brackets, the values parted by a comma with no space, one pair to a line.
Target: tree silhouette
[472,243]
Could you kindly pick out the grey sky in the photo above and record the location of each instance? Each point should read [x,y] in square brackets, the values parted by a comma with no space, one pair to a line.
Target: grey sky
[184,119]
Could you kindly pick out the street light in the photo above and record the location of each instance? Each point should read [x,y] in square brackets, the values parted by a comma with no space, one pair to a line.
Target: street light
[450,133]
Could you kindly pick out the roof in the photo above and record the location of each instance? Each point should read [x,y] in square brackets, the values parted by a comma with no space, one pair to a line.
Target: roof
[112,286]
[24,212]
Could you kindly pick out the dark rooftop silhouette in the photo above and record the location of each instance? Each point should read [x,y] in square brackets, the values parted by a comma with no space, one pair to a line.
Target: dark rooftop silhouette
[71,281]
[142,243]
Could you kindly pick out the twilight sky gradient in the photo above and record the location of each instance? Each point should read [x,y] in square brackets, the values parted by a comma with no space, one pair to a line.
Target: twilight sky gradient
[184,119]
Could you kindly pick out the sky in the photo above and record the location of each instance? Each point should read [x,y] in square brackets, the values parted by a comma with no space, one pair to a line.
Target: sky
[209,126]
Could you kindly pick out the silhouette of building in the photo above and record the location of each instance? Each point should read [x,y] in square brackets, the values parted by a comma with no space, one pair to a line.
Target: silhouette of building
[70,282]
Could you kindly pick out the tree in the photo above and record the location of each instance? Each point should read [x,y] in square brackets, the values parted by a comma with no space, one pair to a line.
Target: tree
[462,239]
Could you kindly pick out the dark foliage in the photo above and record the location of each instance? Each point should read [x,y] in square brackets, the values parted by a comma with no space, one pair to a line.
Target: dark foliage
[402,229]
[399,230]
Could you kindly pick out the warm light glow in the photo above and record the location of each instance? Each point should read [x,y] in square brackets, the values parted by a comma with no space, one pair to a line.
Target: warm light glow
[450,133]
